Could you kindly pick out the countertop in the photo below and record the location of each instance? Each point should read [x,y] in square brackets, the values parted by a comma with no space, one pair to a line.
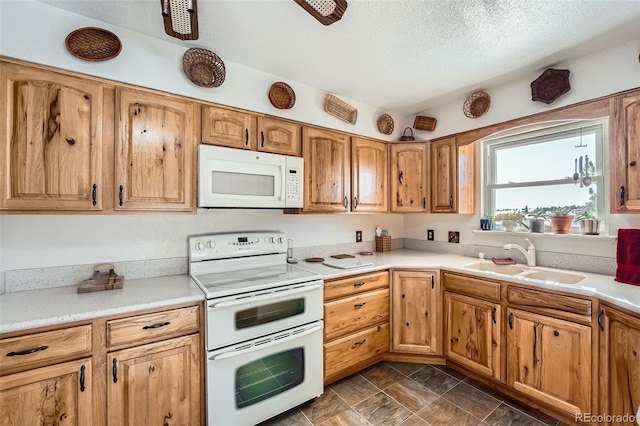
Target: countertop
[22,310]
[36,308]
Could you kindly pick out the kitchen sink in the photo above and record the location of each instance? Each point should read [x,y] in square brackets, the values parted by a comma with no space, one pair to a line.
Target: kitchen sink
[492,267]
[555,276]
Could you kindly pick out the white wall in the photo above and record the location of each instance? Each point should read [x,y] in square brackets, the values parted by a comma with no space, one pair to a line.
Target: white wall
[35,32]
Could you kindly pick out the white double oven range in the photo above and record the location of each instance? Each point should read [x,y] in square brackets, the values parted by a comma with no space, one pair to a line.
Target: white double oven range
[263,326]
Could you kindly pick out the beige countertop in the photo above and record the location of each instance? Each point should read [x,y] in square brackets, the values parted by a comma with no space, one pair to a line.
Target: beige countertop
[36,308]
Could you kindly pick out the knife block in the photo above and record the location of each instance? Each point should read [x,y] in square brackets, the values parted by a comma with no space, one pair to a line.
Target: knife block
[383,243]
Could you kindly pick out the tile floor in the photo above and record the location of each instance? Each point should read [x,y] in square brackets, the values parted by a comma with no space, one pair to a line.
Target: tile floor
[391,393]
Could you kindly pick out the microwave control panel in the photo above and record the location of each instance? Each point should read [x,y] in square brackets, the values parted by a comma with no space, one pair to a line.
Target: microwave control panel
[293,186]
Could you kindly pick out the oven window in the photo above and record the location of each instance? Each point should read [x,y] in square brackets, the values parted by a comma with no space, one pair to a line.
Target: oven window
[269,376]
[242,184]
[267,313]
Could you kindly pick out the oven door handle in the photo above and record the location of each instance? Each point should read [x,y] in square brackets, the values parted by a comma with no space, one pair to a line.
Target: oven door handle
[237,302]
[233,354]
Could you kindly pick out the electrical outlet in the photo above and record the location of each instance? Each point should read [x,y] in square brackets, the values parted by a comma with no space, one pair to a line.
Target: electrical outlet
[358,236]
[429,234]
[454,237]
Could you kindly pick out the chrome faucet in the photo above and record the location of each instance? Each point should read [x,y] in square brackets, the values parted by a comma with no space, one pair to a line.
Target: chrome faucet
[529,253]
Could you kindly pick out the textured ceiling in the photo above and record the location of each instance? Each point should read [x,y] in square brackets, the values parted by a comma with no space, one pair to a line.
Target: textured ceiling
[403,56]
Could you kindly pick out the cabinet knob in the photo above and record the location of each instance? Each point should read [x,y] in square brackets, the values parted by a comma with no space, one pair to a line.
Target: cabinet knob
[633,163]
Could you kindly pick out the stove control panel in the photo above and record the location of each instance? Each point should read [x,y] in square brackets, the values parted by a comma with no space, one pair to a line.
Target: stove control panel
[228,245]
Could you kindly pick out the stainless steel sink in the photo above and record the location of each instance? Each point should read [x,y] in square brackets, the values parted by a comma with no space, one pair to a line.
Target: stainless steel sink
[553,276]
[492,267]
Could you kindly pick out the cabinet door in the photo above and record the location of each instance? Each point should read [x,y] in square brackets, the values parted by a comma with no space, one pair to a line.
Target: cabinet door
[155,384]
[409,178]
[369,164]
[416,313]
[472,333]
[225,127]
[550,360]
[327,170]
[56,395]
[154,151]
[50,140]
[279,137]
[625,153]
[619,364]
[443,176]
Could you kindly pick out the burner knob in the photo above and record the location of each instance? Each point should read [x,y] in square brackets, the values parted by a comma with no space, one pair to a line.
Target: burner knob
[272,240]
[199,246]
[211,244]
[280,240]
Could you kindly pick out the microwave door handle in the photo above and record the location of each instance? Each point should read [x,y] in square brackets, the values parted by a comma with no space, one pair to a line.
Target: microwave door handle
[233,354]
[269,296]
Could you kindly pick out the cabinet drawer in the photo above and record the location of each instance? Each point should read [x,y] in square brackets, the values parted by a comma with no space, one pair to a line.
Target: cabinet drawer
[344,316]
[356,284]
[558,305]
[355,349]
[44,348]
[489,290]
[152,327]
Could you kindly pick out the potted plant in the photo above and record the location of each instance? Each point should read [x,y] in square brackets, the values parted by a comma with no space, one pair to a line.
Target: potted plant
[486,223]
[561,220]
[536,222]
[509,220]
[589,224]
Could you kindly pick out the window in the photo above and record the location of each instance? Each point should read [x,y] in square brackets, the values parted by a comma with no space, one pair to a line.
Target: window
[533,172]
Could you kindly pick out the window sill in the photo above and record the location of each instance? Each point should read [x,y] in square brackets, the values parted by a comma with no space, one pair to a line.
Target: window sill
[599,237]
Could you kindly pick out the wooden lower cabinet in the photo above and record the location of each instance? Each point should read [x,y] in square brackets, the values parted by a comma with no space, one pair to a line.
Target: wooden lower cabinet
[619,365]
[472,333]
[416,312]
[550,360]
[58,394]
[155,384]
[356,323]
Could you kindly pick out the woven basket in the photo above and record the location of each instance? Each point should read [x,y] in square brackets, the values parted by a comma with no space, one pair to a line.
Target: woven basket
[340,109]
[383,243]
[282,95]
[424,123]
[408,137]
[385,124]
[203,67]
[93,44]
[476,104]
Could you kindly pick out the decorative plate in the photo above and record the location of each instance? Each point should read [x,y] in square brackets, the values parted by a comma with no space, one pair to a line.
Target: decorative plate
[385,124]
[282,95]
[93,44]
[551,84]
[476,104]
[203,67]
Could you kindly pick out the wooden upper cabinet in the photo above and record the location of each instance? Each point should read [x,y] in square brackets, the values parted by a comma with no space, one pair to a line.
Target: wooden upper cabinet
[443,175]
[327,170]
[227,127]
[409,190]
[416,313]
[279,136]
[369,165]
[154,152]
[50,140]
[625,153]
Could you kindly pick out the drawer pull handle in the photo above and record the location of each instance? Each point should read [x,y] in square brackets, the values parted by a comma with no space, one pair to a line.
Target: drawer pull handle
[359,284]
[359,305]
[162,324]
[82,387]
[114,370]
[28,351]
[361,342]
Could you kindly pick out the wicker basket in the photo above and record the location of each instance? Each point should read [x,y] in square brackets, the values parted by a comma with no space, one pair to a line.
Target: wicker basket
[383,243]
[476,104]
[93,44]
[385,124]
[424,123]
[282,95]
[203,67]
[340,109]
[407,137]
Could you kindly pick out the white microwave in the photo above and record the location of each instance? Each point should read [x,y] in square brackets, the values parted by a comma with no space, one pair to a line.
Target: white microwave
[229,177]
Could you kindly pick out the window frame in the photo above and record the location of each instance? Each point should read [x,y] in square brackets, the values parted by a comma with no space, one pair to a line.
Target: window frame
[533,134]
